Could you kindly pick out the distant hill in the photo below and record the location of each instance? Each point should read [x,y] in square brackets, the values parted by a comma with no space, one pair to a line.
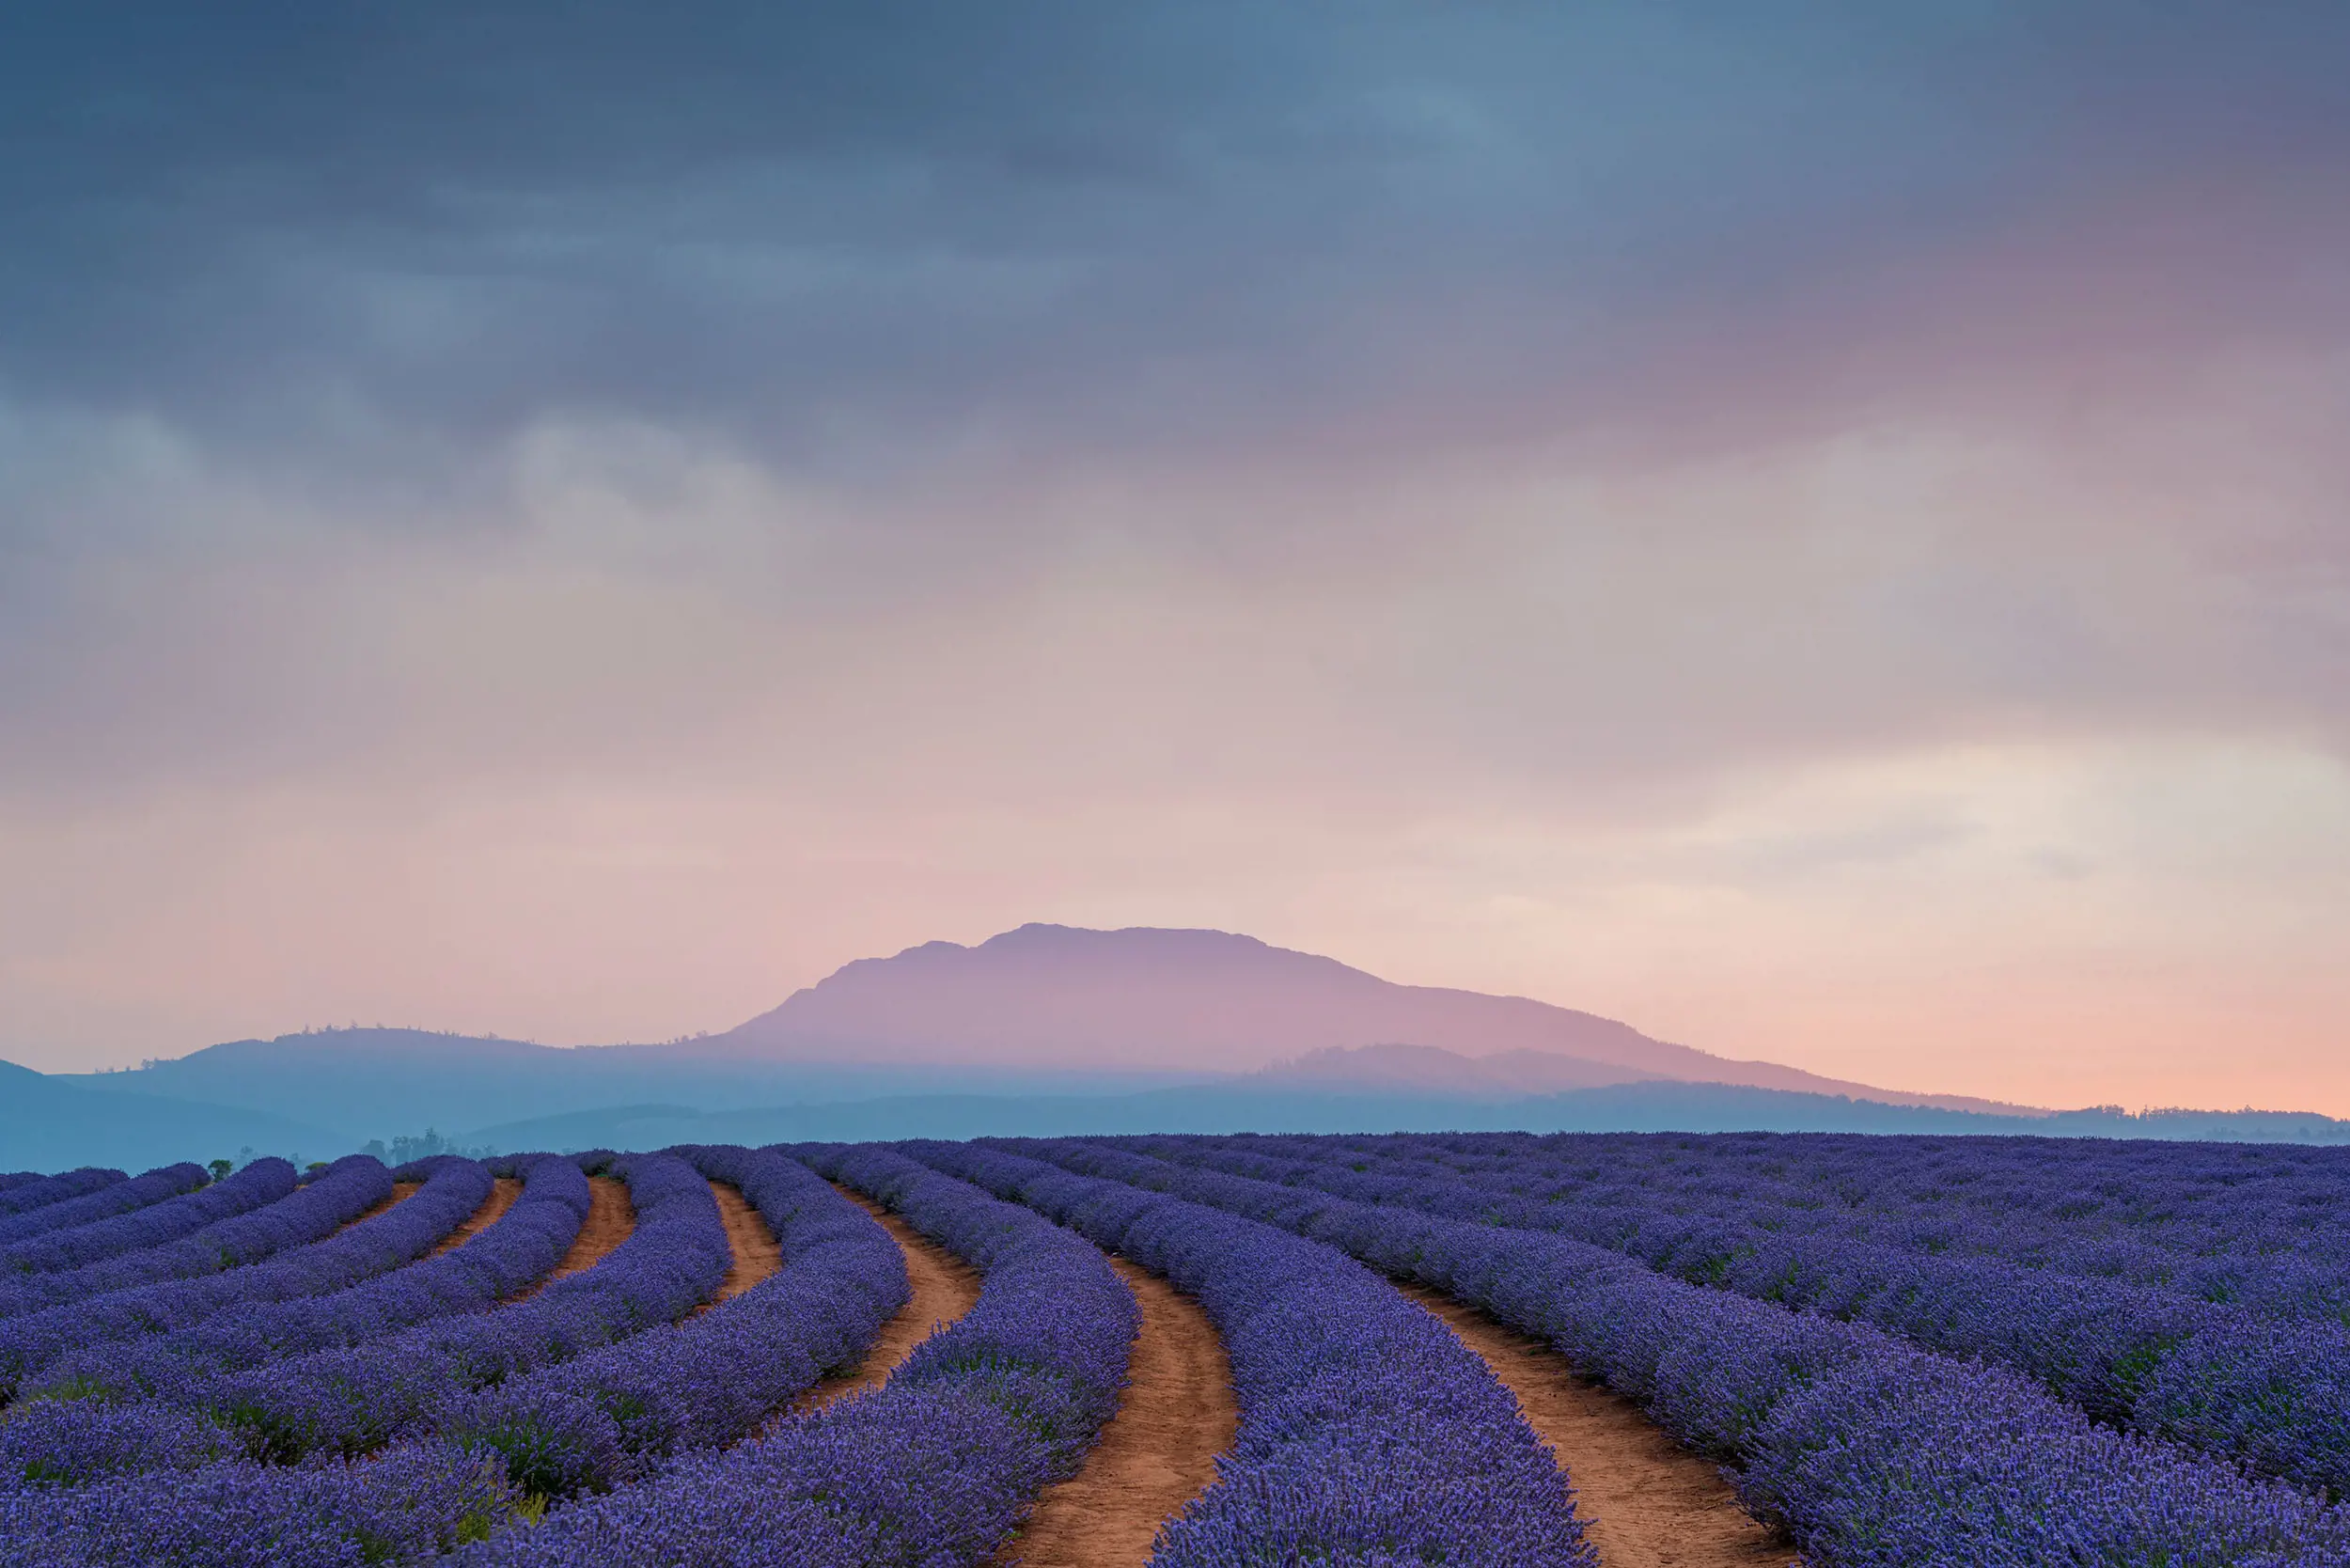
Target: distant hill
[1037,1030]
[1047,995]
[1050,1011]
[1509,1075]
[51,1123]
[367,1083]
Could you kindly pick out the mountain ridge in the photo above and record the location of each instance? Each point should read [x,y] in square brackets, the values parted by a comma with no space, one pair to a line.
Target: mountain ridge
[1042,1014]
[50,1123]
[1045,994]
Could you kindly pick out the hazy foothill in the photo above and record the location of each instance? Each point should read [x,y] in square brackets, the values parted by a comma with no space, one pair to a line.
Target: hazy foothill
[1043,1032]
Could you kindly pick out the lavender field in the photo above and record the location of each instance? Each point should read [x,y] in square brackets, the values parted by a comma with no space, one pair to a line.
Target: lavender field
[1487,1349]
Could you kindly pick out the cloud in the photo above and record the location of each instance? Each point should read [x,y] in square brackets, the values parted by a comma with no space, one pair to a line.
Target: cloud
[830,237]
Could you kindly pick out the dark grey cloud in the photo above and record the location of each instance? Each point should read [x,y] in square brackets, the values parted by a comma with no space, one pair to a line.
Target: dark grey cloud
[844,236]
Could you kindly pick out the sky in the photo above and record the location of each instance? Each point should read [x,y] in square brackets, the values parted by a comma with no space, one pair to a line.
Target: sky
[1821,531]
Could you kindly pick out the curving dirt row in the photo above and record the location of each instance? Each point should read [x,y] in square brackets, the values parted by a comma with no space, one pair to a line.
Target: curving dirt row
[755,1254]
[1648,1503]
[610,1218]
[1157,1453]
[502,1195]
[401,1192]
[944,1288]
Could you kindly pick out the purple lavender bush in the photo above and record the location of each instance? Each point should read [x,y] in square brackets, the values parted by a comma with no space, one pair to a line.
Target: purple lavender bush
[307,1216]
[71,1264]
[932,1470]
[616,1413]
[540,1436]
[114,1198]
[42,1191]
[321,1209]
[1369,1432]
[353,1399]
[2214,1377]
[401,1509]
[250,1333]
[65,1443]
[911,1476]
[2262,1226]
[1925,1459]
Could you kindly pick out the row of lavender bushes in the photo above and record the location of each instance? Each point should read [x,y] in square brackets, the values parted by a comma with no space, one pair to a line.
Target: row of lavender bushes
[565,1424]
[95,1484]
[353,1400]
[302,1240]
[619,1414]
[177,1364]
[403,1509]
[447,1482]
[1869,1452]
[42,1191]
[2271,1395]
[689,1383]
[137,1248]
[89,1483]
[2269,1236]
[116,1429]
[935,1469]
[113,1198]
[1369,1432]
[2263,1227]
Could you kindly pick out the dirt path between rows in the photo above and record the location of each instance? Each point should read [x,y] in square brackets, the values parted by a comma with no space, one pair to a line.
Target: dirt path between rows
[1648,1502]
[401,1192]
[610,1218]
[1157,1453]
[755,1254]
[944,1289]
[503,1191]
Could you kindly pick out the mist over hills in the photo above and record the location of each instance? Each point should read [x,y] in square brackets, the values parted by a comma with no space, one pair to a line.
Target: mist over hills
[1644,1107]
[373,1082]
[50,1123]
[1045,1028]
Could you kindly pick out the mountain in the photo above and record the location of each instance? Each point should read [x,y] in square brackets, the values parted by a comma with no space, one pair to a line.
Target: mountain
[51,1123]
[1048,996]
[363,1083]
[1218,1026]
[1430,1069]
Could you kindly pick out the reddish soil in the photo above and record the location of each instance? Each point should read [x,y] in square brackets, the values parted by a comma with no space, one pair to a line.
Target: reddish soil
[755,1254]
[1648,1502]
[944,1289]
[610,1218]
[401,1192]
[502,1196]
[1157,1453]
